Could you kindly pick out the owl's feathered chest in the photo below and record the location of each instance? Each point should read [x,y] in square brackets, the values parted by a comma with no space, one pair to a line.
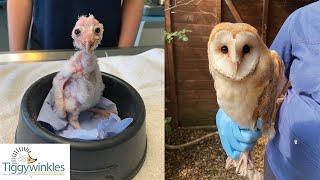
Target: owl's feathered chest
[240,99]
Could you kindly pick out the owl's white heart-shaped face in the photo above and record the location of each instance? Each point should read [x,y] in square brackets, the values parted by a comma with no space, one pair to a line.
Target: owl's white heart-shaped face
[234,55]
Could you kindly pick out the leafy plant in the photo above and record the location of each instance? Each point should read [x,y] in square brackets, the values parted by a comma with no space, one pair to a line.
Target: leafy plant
[180,34]
[168,127]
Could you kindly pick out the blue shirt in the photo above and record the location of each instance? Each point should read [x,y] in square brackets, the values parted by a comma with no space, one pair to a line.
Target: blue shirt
[53,21]
[294,152]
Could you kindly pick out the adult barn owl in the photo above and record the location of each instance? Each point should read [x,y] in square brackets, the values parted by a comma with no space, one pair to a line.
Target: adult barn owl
[248,78]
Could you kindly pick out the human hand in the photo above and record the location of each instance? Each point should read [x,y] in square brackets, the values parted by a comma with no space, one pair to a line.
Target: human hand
[235,140]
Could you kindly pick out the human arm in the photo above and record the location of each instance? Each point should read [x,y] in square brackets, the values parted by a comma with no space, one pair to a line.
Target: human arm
[130,22]
[233,139]
[19,19]
[282,44]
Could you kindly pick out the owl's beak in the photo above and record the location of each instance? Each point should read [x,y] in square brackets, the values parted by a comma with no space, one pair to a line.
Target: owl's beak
[236,59]
[236,65]
[89,45]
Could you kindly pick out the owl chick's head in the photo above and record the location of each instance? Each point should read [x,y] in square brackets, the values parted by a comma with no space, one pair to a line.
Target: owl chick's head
[234,50]
[87,33]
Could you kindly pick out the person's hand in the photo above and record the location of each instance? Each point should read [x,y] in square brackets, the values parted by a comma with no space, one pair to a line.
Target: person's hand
[233,139]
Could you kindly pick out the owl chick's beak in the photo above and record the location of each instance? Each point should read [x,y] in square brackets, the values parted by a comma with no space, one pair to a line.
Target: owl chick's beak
[89,45]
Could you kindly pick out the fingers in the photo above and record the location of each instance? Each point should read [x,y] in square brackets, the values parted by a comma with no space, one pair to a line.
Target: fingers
[259,123]
[240,146]
[233,139]
[232,153]
[245,136]
[279,101]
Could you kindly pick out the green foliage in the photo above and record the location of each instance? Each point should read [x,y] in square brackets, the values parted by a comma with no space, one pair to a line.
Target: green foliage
[168,127]
[180,34]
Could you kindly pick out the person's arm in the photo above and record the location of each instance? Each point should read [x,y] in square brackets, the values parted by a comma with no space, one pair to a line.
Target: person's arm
[282,44]
[131,18]
[19,19]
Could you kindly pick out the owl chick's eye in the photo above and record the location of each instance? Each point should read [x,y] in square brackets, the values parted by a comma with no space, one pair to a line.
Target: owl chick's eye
[77,31]
[224,49]
[245,49]
[97,30]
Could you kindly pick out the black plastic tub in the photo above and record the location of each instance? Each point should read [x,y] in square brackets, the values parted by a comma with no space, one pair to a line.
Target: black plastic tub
[119,157]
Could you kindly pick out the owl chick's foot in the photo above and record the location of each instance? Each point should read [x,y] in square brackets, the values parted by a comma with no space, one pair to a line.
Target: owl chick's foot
[75,124]
[73,119]
[103,112]
[244,164]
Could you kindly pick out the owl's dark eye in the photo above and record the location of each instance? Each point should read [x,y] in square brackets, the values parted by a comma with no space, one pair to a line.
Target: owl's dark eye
[77,31]
[97,30]
[224,49]
[245,49]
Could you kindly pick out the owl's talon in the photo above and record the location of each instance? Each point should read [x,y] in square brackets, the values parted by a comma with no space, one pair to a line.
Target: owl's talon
[244,165]
[230,163]
[103,112]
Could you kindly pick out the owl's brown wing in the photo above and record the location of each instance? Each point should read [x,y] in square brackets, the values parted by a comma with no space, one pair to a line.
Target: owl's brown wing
[267,108]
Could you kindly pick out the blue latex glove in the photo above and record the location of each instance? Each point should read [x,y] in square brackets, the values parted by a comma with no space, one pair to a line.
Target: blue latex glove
[233,139]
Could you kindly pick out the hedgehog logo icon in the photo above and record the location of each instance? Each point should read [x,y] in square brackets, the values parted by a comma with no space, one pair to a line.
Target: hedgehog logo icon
[22,155]
[30,159]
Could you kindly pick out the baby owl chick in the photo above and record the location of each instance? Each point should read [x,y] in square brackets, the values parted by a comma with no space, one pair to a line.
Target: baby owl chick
[78,86]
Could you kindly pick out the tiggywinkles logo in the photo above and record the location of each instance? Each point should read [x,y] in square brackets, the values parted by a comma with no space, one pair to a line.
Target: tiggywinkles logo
[23,163]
